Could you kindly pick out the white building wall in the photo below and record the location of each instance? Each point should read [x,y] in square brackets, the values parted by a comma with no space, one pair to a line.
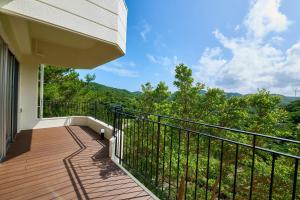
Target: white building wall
[100,19]
[28,96]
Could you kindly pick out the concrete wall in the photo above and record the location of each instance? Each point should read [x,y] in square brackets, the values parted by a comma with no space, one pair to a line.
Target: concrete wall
[94,124]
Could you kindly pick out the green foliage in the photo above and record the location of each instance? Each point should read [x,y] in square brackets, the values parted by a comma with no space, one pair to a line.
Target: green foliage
[61,84]
[186,96]
[89,78]
[154,100]
[294,109]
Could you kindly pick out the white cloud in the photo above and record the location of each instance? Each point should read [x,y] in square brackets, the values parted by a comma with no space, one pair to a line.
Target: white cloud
[168,63]
[163,60]
[159,42]
[264,17]
[254,63]
[146,28]
[237,28]
[276,40]
[123,69]
[212,59]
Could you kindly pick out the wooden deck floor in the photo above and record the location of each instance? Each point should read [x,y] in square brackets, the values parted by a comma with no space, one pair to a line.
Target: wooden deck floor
[63,163]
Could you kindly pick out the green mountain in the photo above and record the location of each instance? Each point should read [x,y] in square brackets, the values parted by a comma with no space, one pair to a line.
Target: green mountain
[103,88]
[287,99]
[122,94]
[114,95]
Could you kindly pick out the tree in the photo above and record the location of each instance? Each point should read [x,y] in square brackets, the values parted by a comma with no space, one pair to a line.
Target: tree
[161,99]
[294,111]
[154,100]
[187,93]
[89,78]
[61,84]
[146,100]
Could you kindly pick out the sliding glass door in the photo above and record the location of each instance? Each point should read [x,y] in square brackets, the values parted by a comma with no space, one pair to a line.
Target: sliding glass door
[9,76]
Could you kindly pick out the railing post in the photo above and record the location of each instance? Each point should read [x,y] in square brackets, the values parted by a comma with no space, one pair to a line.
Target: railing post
[95,109]
[121,138]
[157,149]
[252,165]
[115,121]
[117,132]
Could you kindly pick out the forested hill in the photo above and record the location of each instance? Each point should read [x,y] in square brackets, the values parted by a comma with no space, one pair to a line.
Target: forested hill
[284,99]
[63,84]
[111,90]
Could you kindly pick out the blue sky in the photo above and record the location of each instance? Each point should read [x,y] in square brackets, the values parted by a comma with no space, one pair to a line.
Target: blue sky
[237,45]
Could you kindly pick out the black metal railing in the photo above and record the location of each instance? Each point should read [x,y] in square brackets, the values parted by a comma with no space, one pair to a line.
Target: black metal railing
[183,159]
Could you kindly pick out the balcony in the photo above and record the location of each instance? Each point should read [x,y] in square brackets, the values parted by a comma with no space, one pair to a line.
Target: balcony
[64,163]
[173,158]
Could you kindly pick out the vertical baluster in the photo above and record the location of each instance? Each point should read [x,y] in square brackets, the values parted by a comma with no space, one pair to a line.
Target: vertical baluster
[252,166]
[105,107]
[164,155]
[134,144]
[95,109]
[235,170]
[187,164]
[157,150]
[221,169]
[207,168]
[170,161]
[197,164]
[178,161]
[121,138]
[130,143]
[295,179]
[147,141]
[272,176]
[138,142]
[152,150]
[126,137]
[143,149]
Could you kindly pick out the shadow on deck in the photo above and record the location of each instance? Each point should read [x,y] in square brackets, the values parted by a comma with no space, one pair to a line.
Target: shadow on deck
[63,163]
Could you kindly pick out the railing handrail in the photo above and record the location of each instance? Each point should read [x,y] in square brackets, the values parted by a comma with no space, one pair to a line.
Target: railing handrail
[219,127]
[112,106]
[218,137]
